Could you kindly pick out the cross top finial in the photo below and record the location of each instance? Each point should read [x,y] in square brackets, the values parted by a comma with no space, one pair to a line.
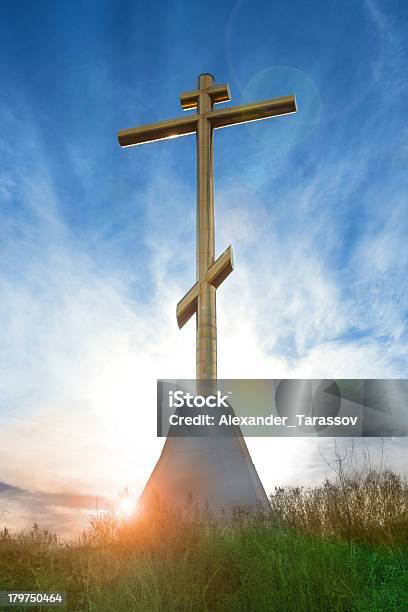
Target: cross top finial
[203,74]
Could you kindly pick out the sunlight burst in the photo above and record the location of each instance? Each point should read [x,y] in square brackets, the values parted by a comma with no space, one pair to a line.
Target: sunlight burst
[126,506]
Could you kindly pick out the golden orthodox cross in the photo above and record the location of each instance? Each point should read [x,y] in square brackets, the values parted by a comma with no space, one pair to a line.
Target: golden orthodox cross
[201,298]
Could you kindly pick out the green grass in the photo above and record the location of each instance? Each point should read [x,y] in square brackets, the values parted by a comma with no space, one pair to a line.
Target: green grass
[341,546]
[245,567]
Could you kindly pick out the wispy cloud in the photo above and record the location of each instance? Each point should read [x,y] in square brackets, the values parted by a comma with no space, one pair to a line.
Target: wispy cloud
[63,513]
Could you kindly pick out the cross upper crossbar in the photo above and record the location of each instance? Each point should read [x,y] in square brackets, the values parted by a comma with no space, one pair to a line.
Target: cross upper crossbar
[201,298]
[172,128]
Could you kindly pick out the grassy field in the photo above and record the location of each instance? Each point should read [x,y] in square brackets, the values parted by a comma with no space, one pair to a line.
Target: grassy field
[340,546]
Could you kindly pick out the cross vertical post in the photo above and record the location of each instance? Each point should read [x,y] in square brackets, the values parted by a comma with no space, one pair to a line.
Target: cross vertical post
[206,343]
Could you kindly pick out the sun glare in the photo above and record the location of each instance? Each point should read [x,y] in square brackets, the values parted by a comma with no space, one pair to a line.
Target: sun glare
[126,506]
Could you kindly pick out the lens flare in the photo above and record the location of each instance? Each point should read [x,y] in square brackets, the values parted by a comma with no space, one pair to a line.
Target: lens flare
[126,506]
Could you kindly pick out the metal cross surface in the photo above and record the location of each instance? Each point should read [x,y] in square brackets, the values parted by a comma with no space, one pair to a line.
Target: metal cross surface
[201,298]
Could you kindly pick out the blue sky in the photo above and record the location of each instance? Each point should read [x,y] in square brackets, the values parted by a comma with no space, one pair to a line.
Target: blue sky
[98,243]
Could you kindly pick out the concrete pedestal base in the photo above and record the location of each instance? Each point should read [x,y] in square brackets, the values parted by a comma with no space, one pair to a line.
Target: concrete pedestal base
[213,472]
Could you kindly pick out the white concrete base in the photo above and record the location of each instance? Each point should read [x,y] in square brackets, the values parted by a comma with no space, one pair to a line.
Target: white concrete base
[215,472]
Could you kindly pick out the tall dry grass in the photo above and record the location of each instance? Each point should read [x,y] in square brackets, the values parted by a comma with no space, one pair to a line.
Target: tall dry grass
[362,503]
